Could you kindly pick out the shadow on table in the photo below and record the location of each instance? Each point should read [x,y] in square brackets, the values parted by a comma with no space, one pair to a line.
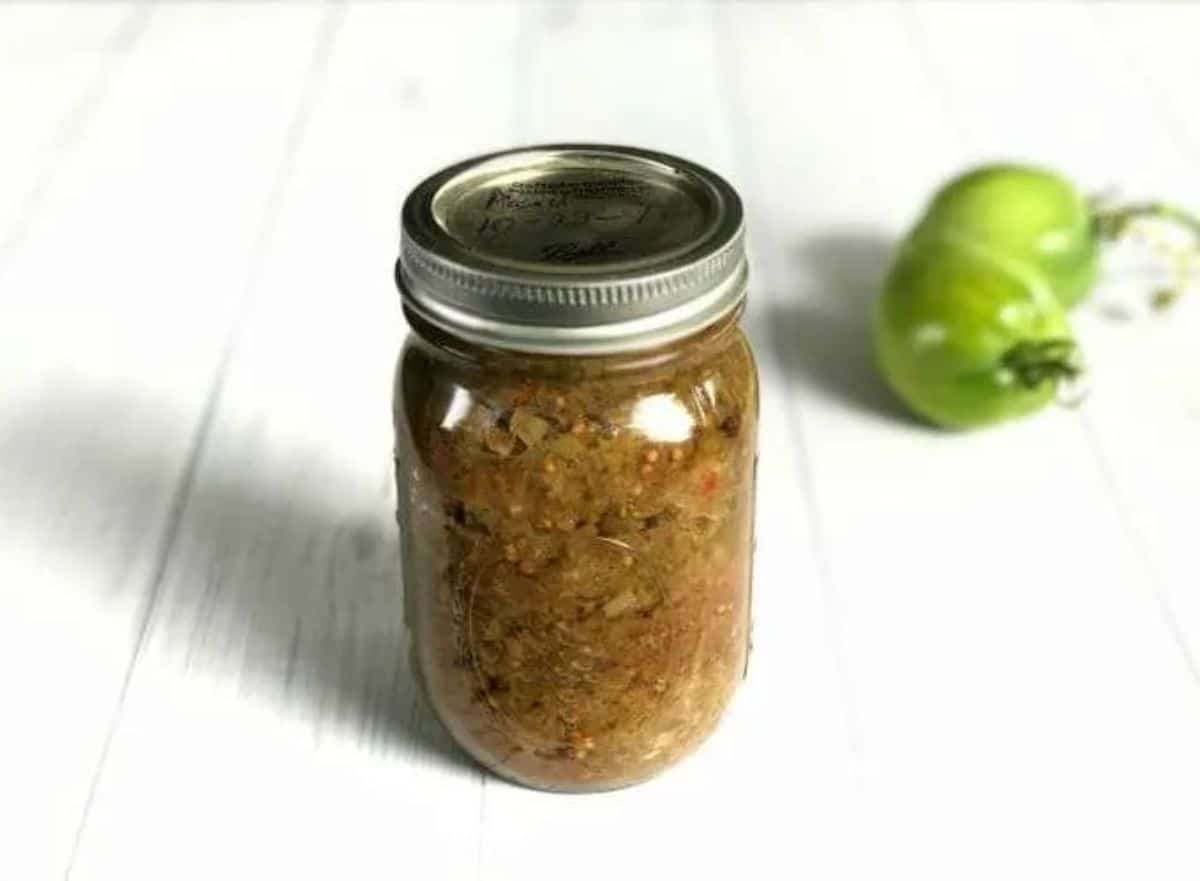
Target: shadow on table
[285,582]
[822,329]
[285,586]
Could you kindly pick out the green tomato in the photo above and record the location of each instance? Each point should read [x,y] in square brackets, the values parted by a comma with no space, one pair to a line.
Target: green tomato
[1025,214]
[967,338]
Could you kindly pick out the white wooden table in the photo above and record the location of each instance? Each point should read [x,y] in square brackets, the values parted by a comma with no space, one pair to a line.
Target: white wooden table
[976,656]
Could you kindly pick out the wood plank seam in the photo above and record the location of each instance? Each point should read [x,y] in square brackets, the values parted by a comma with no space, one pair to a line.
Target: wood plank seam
[918,43]
[72,129]
[1186,147]
[1141,548]
[1095,443]
[740,127]
[1163,106]
[326,38]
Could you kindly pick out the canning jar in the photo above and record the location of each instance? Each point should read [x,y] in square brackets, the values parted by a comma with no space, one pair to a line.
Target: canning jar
[575,413]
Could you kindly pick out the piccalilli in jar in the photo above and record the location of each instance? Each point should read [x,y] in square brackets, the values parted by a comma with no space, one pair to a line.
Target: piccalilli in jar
[576,413]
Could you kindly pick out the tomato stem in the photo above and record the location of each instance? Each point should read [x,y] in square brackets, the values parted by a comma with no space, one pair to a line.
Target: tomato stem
[1118,221]
[1114,222]
[1034,362]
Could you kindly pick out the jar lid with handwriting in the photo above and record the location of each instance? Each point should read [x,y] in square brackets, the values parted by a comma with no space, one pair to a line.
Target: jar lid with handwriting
[572,249]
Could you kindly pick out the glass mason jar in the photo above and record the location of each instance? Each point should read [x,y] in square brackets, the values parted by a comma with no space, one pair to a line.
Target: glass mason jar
[575,414]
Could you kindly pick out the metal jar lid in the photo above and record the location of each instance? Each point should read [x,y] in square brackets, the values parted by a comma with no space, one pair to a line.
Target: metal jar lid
[572,249]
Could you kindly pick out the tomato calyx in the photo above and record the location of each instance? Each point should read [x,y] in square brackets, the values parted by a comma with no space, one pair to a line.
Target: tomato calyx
[1034,362]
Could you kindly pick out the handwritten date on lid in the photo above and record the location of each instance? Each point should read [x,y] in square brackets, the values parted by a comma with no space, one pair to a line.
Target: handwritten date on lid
[576,218]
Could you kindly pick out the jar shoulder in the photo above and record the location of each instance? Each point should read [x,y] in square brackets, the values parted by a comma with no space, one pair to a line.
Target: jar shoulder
[502,409]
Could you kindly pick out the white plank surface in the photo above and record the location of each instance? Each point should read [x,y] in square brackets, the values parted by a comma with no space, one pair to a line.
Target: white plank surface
[117,297]
[1002,643]
[280,600]
[975,655]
